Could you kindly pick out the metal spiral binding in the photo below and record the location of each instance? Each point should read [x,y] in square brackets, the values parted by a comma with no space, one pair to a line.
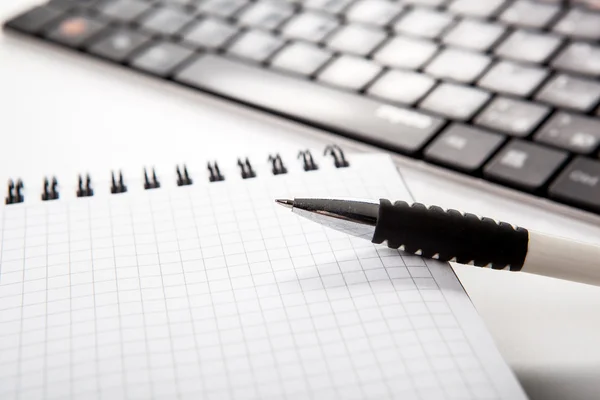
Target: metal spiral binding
[50,191]
[246,169]
[15,195]
[117,186]
[307,160]
[338,156]
[150,184]
[215,173]
[85,189]
[183,179]
[278,167]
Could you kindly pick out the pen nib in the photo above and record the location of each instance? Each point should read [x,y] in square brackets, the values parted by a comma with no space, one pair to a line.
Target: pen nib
[285,203]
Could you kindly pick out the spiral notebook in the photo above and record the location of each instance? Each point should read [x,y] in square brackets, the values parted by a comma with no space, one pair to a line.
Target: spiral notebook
[198,286]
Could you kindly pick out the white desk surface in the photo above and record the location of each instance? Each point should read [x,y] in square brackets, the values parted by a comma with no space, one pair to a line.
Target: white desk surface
[62,114]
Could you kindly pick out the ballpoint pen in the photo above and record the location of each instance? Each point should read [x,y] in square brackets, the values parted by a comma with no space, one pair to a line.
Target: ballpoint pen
[450,235]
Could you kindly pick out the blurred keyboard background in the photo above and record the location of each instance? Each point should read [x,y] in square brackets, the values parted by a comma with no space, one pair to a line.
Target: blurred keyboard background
[503,90]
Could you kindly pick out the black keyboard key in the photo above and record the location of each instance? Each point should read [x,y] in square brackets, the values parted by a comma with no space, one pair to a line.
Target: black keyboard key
[404,87]
[458,65]
[349,72]
[32,21]
[571,92]
[374,12]
[356,39]
[579,57]
[455,101]
[222,8]
[525,165]
[75,30]
[424,22]
[266,14]
[474,34]
[210,33]
[310,26]
[167,20]
[118,44]
[530,14]
[580,23]
[301,58]
[256,45]
[476,8]
[405,52]
[513,78]
[463,147]
[346,113]
[161,58]
[125,10]
[571,132]
[528,46]
[579,184]
[515,117]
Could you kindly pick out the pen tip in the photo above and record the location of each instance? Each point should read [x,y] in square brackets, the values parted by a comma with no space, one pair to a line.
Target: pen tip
[285,203]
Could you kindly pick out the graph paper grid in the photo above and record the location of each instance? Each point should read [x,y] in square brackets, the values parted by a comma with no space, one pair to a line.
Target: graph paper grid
[213,292]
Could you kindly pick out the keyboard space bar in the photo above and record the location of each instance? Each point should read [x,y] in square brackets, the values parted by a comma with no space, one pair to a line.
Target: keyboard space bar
[349,114]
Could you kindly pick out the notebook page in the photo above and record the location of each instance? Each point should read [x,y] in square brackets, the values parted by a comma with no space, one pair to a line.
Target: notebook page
[212,291]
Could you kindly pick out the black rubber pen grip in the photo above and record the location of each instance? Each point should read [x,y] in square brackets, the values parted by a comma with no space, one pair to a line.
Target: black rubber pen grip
[451,235]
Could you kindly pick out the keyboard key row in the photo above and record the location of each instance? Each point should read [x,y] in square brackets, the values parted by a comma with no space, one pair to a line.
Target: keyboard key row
[519,164]
[425,21]
[339,111]
[520,45]
[346,71]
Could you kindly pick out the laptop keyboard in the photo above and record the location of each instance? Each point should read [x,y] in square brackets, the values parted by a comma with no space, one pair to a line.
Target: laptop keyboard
[504,90]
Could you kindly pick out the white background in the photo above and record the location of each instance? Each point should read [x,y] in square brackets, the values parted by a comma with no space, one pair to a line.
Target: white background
[63,114]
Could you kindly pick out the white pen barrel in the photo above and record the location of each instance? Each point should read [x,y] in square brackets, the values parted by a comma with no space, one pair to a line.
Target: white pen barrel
[562,258]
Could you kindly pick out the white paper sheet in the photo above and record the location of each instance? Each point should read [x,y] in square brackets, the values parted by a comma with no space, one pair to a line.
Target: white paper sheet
[212,291]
